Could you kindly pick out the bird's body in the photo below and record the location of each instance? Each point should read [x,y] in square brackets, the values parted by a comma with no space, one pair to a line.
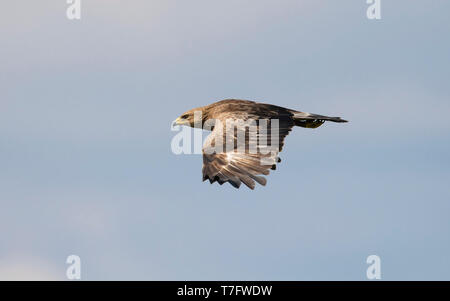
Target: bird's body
[246,138]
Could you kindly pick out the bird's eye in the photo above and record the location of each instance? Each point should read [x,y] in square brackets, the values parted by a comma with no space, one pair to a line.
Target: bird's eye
[185,116]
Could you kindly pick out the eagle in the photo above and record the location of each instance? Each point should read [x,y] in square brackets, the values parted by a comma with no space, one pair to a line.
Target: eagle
[253,135]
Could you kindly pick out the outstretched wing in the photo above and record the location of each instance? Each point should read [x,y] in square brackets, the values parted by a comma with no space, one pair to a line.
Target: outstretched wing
[241,152]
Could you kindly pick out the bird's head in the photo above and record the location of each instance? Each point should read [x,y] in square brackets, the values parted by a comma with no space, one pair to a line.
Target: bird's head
[192,118]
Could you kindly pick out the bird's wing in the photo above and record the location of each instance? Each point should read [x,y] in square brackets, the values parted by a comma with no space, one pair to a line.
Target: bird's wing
[249,150]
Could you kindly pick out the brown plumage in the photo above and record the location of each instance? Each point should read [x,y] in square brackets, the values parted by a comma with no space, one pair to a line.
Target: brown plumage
[239,164]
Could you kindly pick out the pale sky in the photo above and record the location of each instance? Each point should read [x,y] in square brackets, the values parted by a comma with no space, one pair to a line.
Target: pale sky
[86,166]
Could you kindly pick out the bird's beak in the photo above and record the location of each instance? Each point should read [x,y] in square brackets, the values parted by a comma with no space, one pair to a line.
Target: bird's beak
[180,121]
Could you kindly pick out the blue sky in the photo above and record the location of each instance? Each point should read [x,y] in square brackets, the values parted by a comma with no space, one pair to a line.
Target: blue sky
[86,165]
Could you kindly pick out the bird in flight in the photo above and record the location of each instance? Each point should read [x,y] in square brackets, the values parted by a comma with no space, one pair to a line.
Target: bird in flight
[246,138]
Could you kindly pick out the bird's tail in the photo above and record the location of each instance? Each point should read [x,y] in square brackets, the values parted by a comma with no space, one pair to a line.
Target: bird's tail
[309,120]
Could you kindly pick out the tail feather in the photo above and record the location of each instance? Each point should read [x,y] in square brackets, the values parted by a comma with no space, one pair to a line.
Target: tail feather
[309,120]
